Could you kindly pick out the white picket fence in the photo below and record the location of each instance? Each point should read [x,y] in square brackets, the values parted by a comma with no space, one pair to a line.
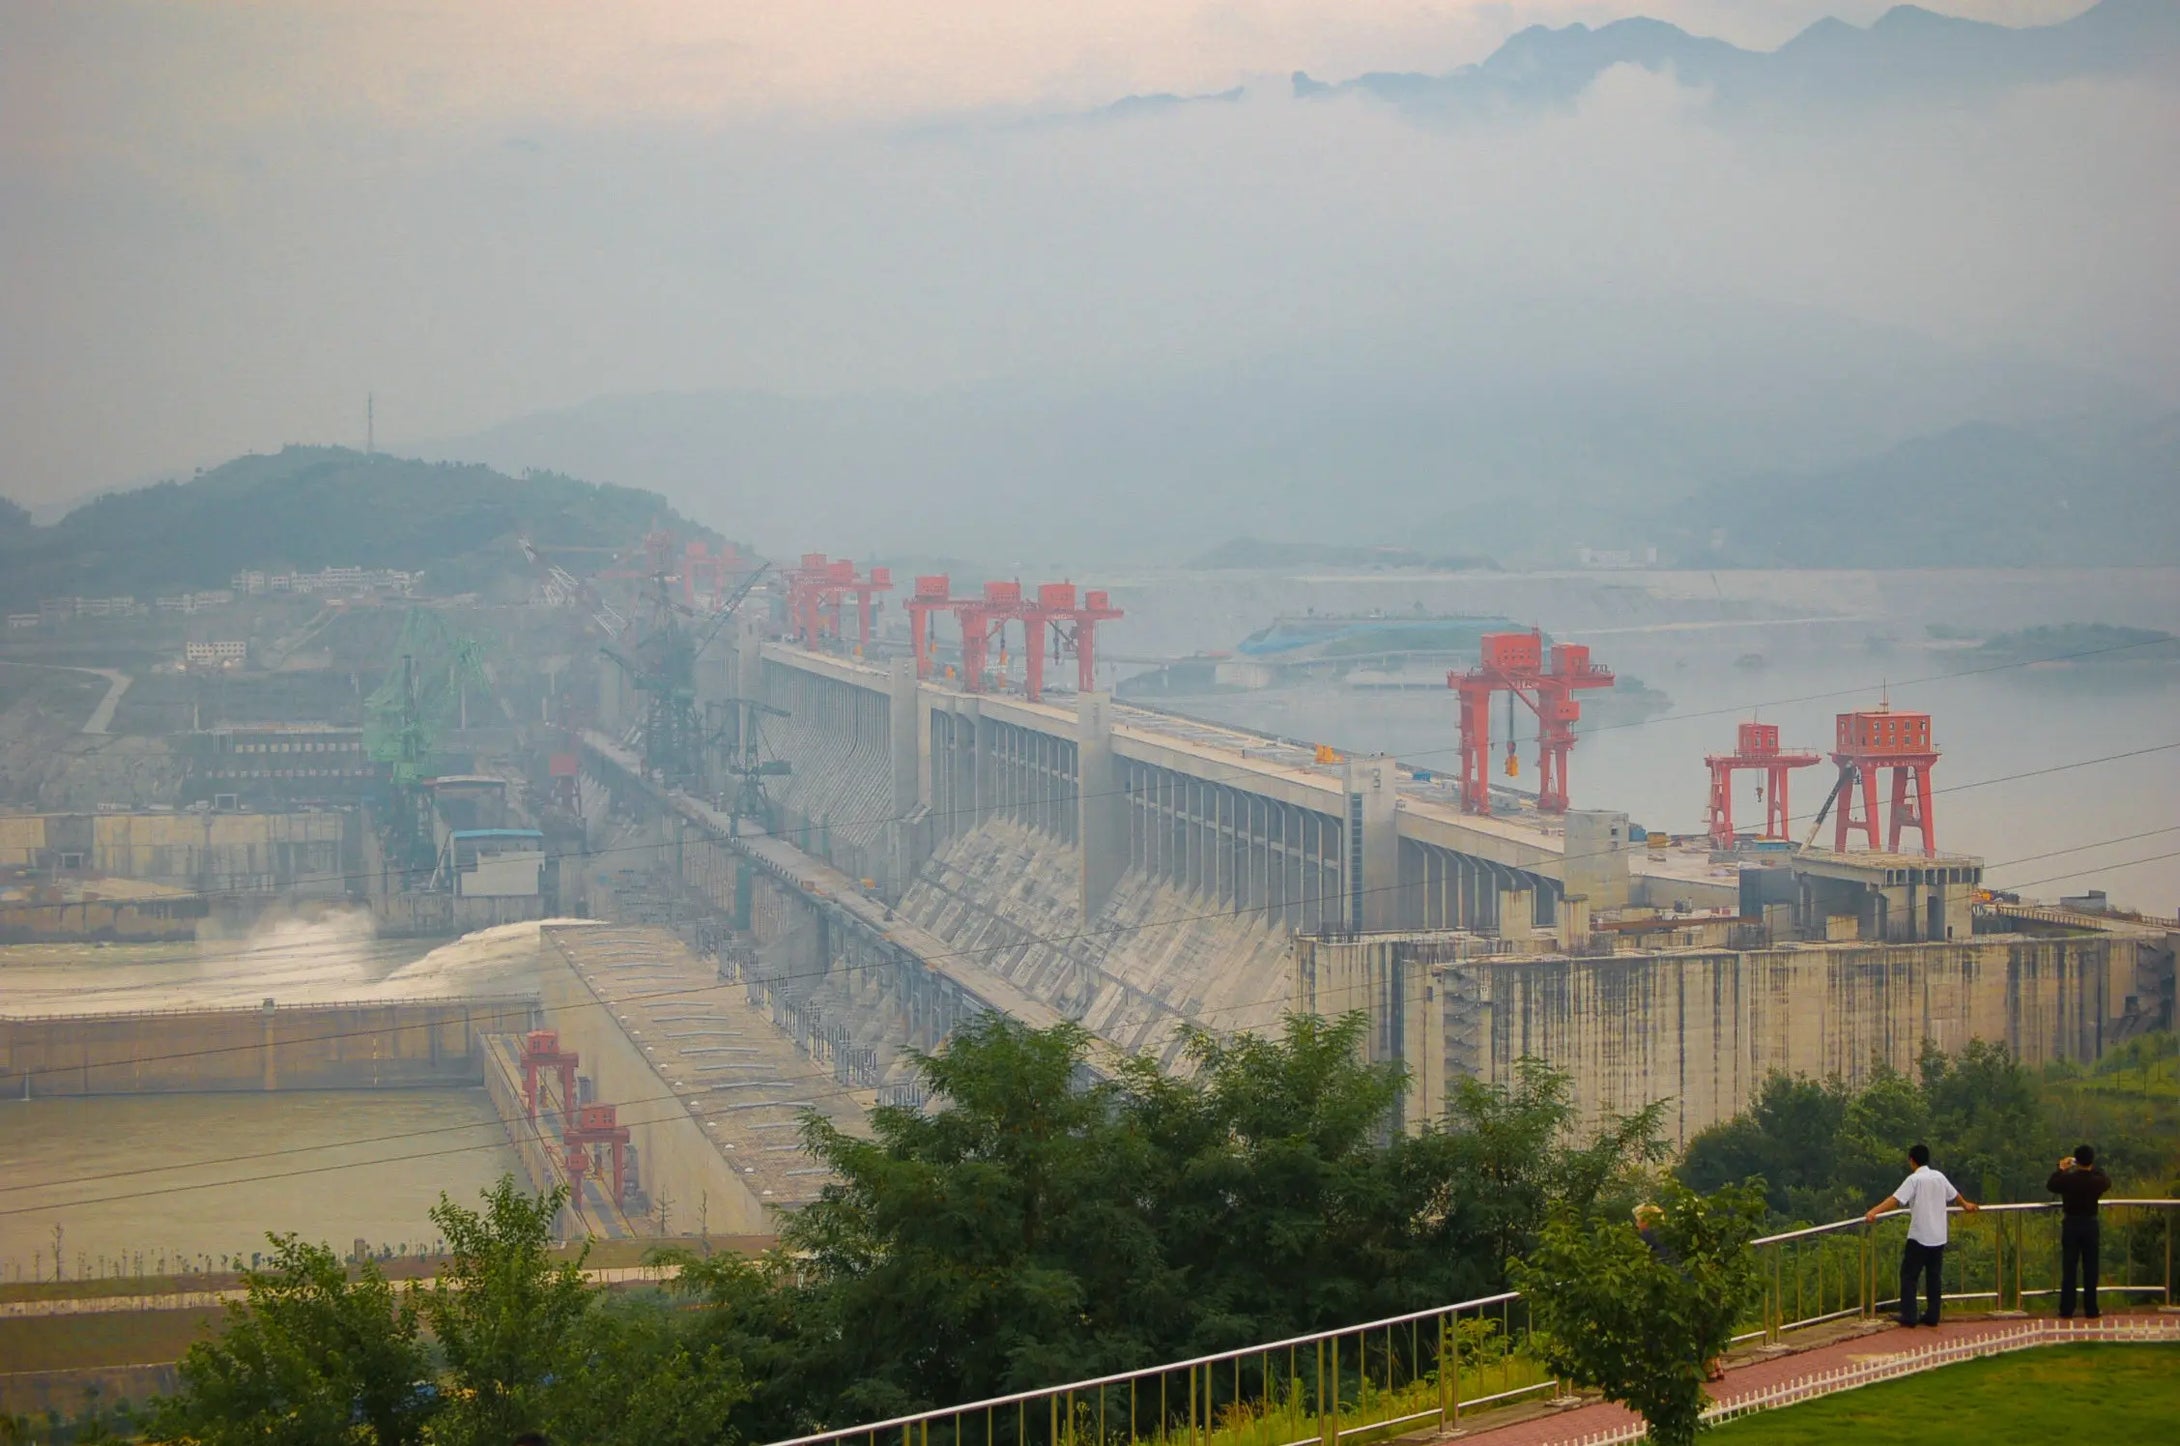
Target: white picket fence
[1909,1362]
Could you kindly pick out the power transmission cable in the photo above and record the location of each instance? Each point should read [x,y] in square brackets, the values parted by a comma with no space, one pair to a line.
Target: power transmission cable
[2077,873]
[2083,848]
[1029,939]
[1241,770]
[1282,1002]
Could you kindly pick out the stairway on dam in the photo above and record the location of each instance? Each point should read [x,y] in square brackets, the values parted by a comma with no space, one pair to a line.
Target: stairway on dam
[1153,957]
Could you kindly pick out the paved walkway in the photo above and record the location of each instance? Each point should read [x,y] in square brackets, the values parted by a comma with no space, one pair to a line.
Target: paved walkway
[1763,1373]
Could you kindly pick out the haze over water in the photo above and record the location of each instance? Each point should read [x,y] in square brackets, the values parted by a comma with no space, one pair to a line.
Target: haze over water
[2071,828]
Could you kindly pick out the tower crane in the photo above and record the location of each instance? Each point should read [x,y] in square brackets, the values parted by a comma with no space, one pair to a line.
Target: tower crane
[662,666]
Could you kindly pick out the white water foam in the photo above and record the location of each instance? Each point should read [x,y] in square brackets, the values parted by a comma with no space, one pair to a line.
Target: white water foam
[331,957]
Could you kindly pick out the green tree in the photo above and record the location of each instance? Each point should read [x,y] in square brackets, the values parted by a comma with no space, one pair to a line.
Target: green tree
[991,1244]
[1987,1118]
[772,1316]
[504,1314]
[1478,1187]
[1791,1136]
[1041,1224]
[307,1356]
[1641,1325]
[631,1376]
[1269,1179]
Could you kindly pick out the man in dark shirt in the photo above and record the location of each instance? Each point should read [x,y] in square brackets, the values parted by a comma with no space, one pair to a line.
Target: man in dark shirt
[2078,1182]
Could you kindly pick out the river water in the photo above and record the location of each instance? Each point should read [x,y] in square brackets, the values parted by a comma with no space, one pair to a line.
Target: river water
[206,1175]
[2017,783]
[137,1183]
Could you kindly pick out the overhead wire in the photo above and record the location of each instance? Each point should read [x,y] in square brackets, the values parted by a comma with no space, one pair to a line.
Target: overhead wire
[2082,848]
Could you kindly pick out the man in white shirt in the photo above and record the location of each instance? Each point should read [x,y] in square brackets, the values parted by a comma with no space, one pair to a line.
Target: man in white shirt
[1924,1194]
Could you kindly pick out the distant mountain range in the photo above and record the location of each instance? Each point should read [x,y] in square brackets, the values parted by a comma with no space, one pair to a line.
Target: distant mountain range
[1522,428]
[1975,495]
[1908,52]
[313,507]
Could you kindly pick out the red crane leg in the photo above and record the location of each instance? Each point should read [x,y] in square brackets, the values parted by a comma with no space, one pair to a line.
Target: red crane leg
[1033,656]
[1475,745]
[1721,803]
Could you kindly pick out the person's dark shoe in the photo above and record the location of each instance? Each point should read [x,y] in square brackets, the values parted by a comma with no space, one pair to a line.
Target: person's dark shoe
[1907,1322]
[2094,1315]
[1931,1323]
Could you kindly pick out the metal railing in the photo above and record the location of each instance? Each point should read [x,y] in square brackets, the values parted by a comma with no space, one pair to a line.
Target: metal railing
[2001,1259]
[1360,1383]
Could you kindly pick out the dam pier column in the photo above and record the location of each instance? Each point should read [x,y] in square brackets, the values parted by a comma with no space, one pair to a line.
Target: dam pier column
[909,841]
[1101,813]
[1370,852]
[1517,912]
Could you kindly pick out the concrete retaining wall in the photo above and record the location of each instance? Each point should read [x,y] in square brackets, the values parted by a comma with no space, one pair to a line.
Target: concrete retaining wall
[140,921]
[307,853]
[1703,1029]
[332,1046]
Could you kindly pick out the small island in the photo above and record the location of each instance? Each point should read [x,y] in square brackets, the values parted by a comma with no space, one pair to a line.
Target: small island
[2084,645]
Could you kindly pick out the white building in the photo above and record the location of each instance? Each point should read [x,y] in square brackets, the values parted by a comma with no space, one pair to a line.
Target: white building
[227,653]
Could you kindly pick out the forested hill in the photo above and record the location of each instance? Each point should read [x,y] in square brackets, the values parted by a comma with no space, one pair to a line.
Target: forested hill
[312,507]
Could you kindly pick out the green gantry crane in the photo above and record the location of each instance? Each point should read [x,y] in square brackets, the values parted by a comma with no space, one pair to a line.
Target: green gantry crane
[425,694]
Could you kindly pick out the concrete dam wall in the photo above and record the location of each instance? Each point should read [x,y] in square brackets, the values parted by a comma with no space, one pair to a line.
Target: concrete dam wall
[1704,1030]
[1155,956]
[391,1045]
[1701,1029]
[1140,873]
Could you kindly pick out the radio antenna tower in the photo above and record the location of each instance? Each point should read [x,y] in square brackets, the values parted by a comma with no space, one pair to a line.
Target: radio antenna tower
[370,424]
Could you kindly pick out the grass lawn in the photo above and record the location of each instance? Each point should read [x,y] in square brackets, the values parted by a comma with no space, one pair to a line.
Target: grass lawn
[2104,1393]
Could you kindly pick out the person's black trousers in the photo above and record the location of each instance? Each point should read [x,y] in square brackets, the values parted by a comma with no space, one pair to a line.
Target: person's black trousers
[1916,1261]
[2078,1260]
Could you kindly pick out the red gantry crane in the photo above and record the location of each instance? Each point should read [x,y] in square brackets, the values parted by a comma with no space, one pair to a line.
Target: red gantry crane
[1070,628]
[1516,664]
[933,594]
[1056,624]
[817,592]
[594,1127]
[1756,749]
[1879,738]
[541,1051]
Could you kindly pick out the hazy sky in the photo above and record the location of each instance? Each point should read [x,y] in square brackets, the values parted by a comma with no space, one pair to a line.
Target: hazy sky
[221,224]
